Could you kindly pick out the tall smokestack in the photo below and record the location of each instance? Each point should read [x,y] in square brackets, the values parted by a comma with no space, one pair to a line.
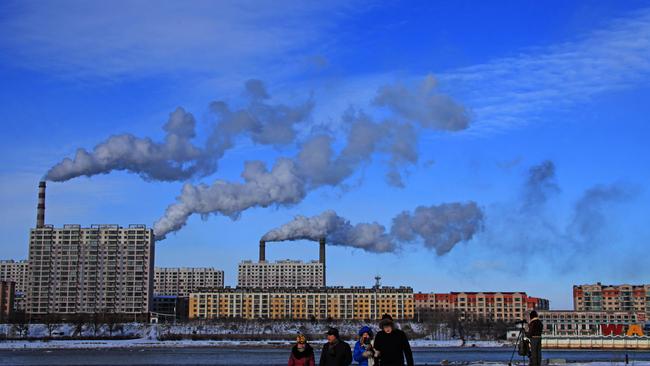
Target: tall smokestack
[321,258]
[40,209]
[262,250]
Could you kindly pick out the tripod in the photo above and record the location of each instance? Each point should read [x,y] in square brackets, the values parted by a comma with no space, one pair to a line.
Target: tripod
[520,347]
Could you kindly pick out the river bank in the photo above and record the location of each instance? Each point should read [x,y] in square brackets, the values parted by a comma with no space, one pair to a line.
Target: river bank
[259,356]
[152,343]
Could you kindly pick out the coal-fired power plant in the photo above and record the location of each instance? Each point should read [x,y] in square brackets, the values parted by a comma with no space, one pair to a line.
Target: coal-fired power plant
[321,254]
[262,251]
[321,257]
[40,209]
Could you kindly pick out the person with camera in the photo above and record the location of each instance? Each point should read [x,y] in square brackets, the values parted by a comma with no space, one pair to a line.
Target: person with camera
[364,351]
[534,334]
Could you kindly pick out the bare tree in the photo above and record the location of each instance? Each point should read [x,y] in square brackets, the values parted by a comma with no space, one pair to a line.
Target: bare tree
[79,320]
[20,324]
[96,322]
[51,322]
[112,322]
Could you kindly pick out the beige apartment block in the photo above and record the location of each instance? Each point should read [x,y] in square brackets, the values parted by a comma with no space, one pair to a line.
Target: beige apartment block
[103,268]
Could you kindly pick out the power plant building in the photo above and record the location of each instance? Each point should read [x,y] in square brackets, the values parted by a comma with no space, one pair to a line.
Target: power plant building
[283,273]
[103,268]
[183,281]
[303,304]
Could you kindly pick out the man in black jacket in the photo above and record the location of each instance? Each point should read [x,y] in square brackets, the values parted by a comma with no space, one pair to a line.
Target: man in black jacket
[392,344]
[535,328]
[335,352]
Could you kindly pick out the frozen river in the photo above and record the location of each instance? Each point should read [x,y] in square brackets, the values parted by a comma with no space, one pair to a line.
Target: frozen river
[266,356]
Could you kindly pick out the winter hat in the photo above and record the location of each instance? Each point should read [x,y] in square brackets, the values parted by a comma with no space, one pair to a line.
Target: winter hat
[365,329]
[386,319]
[333,331]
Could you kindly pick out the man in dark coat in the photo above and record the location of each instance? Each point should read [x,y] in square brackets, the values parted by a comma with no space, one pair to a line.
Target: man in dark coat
[335,352]
[535,328]
[392,344]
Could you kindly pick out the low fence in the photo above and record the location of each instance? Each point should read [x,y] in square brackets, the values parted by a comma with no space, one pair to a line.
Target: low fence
[596,342]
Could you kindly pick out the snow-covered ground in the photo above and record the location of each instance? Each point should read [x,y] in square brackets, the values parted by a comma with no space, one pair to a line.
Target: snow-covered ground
[152,342]
[147,334]
[259,328]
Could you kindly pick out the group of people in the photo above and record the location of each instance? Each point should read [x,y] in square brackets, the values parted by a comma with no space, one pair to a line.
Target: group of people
[389,347]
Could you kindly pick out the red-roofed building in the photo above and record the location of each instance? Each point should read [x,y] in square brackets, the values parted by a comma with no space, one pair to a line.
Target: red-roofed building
[506,306]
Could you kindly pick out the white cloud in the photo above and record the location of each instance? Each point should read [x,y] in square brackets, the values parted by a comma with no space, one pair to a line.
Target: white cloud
[512,91]
[111,39]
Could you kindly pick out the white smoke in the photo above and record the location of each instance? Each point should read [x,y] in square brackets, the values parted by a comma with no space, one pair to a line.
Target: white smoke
[282,185]
[424,105]
[336,230]
[317,163]
[440,227]
[177,159]
[164,161]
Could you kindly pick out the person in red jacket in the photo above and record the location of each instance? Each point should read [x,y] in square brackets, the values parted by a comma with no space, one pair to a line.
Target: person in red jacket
[301,353]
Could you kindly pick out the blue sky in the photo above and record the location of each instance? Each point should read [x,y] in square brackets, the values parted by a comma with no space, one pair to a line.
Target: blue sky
[560,83]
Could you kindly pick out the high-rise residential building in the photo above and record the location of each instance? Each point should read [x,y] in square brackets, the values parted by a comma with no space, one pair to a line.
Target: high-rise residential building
[284,273]
[17,272]
[103,268]
[306,303]
[183,281]
[7,289]
[599,297]
[506,306]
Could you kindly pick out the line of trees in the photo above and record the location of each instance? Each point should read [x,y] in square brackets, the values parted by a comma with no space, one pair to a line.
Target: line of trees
[454,324]
[95,322]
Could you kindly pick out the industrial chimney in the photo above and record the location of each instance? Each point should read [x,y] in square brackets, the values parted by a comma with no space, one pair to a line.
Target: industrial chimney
[262,251]
[40,209]
[321,258]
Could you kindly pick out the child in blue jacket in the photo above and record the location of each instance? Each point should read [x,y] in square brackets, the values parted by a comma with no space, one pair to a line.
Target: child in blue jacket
[364,352]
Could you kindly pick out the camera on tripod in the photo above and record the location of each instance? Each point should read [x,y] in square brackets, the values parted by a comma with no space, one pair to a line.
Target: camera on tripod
[522,344]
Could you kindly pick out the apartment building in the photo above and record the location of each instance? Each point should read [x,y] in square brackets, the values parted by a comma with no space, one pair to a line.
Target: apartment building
[103,268]
[283,273]
[505,306]
[625,298]
[183,281]
[17,272]
[308,303]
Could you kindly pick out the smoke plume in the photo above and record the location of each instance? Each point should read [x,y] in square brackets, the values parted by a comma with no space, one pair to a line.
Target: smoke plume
[541,183]
[439,227]
[289,181]
[422,104]
[590,210]
[371,237]
[176,158]
[318,162]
